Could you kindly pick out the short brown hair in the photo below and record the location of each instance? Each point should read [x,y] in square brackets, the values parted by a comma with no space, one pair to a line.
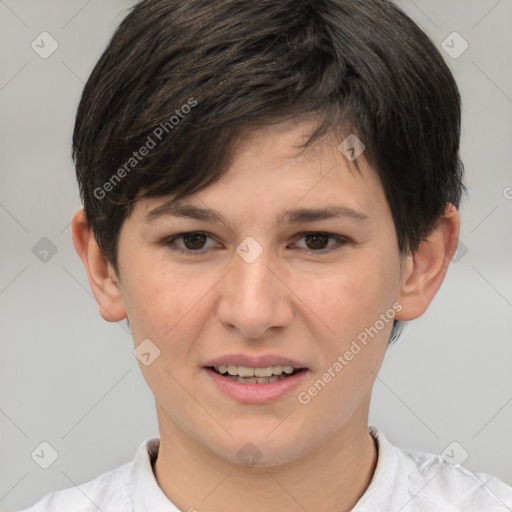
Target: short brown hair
[196,71]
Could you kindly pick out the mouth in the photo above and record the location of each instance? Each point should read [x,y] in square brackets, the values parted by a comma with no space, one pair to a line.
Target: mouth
[251,375]
[255,378]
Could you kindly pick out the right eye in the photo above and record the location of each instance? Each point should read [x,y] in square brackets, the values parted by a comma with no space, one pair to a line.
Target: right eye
[191,242]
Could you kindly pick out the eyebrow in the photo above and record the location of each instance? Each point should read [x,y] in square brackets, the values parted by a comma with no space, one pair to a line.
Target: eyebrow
[295,216]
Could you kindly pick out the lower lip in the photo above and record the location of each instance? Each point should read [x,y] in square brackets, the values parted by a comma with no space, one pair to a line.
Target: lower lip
[257,393]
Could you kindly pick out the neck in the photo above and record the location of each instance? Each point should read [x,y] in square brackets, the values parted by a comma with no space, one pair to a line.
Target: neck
[332,477]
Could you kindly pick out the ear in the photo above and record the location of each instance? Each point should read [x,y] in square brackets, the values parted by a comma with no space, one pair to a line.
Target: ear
[102,278]
[424,271]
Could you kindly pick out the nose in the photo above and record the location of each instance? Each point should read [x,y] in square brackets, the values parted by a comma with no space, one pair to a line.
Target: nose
[254,297]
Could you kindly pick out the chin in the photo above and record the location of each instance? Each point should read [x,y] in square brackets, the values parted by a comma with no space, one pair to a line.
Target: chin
[255,447]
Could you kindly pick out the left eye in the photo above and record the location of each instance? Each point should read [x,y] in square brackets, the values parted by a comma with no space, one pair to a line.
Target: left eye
[317,242]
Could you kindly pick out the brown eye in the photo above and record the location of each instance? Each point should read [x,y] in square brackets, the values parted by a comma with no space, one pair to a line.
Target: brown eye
[319,242]
[191,242]
[194,241]
[316,241]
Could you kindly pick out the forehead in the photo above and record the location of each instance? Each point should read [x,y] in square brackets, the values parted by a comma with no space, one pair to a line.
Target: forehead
[271,171]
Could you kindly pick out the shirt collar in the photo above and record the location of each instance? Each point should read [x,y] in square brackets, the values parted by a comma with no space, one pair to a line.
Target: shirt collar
[384,487]
[147,495]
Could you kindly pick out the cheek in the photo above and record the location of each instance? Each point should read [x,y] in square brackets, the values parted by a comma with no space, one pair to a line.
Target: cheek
[350,303]
[160,299]
[167,306]
[346,299]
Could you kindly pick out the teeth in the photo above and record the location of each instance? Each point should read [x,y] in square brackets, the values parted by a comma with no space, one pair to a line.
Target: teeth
[277,370]
[256,380]
[263,372]
[245,371]
[249,374]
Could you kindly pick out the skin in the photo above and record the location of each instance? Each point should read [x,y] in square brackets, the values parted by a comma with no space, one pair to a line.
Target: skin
[306,306]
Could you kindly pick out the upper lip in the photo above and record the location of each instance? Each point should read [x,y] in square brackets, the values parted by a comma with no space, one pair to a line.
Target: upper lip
[261,361]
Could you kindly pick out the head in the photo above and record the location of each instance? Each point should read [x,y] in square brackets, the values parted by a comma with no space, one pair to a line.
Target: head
[234,120]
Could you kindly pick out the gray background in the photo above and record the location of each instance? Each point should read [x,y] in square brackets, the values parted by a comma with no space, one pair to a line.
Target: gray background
[69,378]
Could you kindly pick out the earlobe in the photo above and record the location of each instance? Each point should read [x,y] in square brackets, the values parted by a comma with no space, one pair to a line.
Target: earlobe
[104,284]
[424,271]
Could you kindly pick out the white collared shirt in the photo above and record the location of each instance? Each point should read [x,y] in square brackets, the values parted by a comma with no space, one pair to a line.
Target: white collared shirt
[404,481]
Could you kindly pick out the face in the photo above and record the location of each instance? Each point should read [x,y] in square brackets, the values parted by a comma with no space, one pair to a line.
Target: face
[267,280]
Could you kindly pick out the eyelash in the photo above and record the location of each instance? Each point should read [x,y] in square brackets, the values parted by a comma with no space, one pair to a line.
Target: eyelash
[341,241]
